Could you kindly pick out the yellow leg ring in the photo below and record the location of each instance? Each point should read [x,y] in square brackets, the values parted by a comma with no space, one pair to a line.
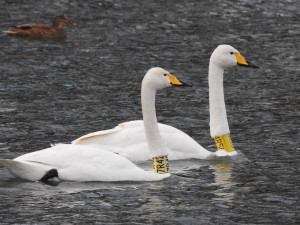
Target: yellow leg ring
[224,142]
[161,164]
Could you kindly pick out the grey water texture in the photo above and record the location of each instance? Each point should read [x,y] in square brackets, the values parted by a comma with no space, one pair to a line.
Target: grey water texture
[55,91]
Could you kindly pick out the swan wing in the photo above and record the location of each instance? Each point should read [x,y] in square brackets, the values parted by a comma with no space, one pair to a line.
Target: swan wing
[106,137]
[129,140]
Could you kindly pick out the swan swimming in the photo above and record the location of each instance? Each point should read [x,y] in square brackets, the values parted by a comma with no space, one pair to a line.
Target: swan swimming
[83,163]
[129,140]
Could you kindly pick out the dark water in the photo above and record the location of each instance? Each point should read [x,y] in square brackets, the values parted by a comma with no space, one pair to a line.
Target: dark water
[53,92]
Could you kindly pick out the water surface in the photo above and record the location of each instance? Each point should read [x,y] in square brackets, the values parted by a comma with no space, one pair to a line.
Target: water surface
[53,92]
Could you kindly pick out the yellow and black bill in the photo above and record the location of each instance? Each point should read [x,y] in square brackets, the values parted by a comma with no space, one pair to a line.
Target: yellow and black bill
[241,61]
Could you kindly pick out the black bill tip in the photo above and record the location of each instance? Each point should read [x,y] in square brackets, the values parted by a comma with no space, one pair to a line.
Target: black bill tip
[249,64]
[184,84]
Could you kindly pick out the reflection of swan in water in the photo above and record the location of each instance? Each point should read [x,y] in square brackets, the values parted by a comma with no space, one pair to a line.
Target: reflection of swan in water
[223,179]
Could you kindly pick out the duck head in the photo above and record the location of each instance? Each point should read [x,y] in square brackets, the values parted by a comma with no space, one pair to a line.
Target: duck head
[60,21]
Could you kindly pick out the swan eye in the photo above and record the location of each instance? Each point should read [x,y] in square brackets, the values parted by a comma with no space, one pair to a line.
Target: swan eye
[231,53]
[165,74]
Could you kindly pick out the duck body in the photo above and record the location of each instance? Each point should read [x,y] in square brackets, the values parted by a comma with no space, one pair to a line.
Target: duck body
[129,140]
[42,30]
[78,163]
[37,31]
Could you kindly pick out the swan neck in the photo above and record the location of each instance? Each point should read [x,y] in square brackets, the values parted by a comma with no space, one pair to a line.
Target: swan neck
[218,117]
[154,140]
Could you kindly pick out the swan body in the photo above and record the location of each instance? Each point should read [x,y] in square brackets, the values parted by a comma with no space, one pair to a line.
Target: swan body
[78,163]
[129,139]
[83,163]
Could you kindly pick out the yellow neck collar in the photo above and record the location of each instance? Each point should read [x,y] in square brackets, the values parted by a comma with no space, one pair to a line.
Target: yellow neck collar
[224,142]
[161,164]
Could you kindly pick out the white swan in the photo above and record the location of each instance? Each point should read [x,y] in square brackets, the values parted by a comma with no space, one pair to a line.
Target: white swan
[83,163]
[128,139]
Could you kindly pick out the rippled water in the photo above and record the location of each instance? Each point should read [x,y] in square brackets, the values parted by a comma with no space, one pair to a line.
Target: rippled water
[56,91]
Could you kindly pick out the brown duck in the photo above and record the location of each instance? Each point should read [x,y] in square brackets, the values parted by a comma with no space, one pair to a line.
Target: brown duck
[42,30]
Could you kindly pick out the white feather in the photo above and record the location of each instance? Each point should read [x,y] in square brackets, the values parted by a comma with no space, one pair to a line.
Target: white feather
[78,163]
[129,139]
[84,163]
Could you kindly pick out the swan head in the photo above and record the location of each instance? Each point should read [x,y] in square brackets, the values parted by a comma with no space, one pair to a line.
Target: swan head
[159,78]
[226,56]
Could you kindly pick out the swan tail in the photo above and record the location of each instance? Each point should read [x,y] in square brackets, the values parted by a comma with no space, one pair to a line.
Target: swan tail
[51,178]
[24,170]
